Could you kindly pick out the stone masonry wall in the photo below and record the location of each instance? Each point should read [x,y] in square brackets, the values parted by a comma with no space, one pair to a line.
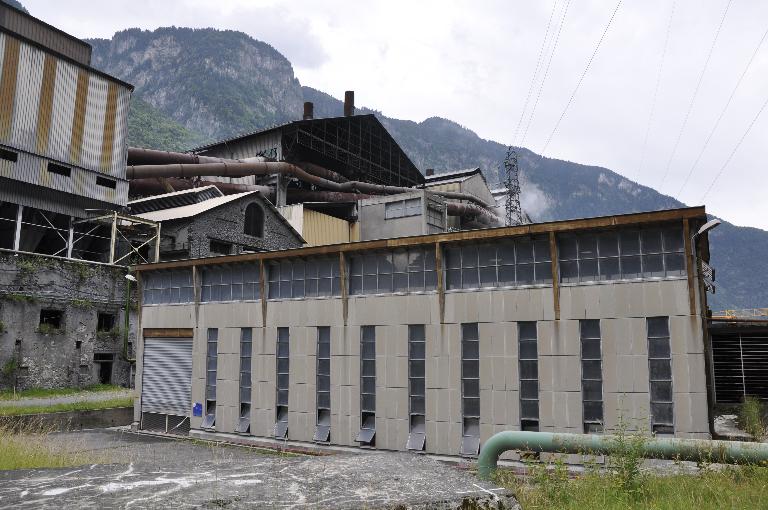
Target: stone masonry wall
[35,356]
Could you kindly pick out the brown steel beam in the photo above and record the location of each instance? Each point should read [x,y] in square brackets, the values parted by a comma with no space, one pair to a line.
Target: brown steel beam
[440,280]
[168,332]
[689,266]
[448,237]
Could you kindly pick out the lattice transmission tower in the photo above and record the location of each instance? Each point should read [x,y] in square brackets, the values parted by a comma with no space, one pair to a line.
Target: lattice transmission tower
[514,214]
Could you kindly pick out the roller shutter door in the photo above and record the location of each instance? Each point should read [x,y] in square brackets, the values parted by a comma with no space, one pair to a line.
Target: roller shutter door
[167,377]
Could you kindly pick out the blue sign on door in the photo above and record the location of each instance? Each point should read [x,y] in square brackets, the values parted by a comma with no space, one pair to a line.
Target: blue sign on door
[197,409]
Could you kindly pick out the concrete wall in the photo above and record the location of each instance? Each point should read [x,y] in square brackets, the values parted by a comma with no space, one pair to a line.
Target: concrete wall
[29,284]
[375,225]
[622,309]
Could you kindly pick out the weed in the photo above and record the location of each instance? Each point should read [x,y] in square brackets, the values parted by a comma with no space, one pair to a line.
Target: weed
[28,446]
[2,327]
[85,405]
[47,329]
[111,334]
[83,304]
[753,418]
[10,367]
[19,298]
[82,271]
[56,392]
[627,458]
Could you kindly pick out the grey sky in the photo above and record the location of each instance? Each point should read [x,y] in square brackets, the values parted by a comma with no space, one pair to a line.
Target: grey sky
[472,62]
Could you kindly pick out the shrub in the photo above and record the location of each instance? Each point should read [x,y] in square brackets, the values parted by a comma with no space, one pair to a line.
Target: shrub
[753,418]
[85,304]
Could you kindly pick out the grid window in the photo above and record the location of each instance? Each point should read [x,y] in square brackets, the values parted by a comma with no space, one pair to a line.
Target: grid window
[323,380]
[660,371]
[508,263]
[435,216]
[402,208]
[621,255]
[367,434]
[212,356]
[384,272]
[246,348]
[230,283]
[591,375]
[416,387]
[168,287]
[470,389]
[282,370]
[528,359]
[304,278]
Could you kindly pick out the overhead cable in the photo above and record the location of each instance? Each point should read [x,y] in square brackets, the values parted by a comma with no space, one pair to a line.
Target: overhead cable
[693,97]
[722,113]
[546,71]
[656,89]
[583,74]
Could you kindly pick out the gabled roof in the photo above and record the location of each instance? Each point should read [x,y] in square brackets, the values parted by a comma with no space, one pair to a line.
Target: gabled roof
[359,147]
[195,209]
[175,199]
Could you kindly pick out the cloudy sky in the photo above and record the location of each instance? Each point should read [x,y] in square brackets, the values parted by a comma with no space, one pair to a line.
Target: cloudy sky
[474,62]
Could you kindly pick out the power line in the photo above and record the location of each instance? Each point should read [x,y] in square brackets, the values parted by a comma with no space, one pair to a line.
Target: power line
[693,98]
[546,71]
[722,168]
[656,89]
[536,71]
[722,113]
[583,74]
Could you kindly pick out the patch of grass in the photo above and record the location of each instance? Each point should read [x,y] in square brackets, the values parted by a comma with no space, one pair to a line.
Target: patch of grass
[83,304]
[47,329]
[753,418]
[732,487]
[72,406]
[19,298]
[56,392]
[28,447]
[2,327]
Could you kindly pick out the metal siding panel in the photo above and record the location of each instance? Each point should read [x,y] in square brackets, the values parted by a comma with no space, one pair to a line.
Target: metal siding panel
[78,120]
[166,385]
[8,85]
[120,143]
[45,110]
[29,77]
[108,137]
[93,127]
[63,111]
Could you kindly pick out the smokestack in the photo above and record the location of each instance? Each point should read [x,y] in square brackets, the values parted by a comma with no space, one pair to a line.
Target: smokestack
[309,110]
[430,171]
[349,103]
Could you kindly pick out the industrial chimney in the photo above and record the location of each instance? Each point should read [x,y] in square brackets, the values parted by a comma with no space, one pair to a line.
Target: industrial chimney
[349,103]
[309,110]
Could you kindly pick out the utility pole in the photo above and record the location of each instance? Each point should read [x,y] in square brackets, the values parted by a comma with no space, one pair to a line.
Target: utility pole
[514,214]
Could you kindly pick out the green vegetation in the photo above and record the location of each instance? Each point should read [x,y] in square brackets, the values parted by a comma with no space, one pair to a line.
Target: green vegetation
[29,447]
[56,392]
[732,487]
[150,128]
[47,329]
[9,368]
[2,327]
[70,406]
[753,418]
[82,270]
[83,304]
[112,333]
[19,298]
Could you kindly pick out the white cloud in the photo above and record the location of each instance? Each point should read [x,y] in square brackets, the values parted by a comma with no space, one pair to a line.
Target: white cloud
[472,62]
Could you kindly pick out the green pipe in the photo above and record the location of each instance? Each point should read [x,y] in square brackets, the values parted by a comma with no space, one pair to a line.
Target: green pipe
[726,452]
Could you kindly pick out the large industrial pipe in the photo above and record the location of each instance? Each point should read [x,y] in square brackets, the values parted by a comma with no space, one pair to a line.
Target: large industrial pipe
[244,169]
[727,452]
[475,212]
[141,156]
[153,186]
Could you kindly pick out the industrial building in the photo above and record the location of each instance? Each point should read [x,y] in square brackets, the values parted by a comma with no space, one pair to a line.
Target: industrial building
[63,190]
[434,342]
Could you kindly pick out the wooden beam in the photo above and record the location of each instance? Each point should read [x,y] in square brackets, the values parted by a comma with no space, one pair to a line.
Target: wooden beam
[689,266]
[555,274]
[168,332]
[440,280]
[606,222]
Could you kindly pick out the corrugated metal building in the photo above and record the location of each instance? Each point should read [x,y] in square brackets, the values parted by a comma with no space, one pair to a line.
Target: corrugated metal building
[434,342]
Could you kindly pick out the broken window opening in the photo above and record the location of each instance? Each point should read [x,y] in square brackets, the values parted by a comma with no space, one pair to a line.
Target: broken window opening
[416,385]
[254,220]
[323,380]
[212,355]
[246,342]
[367,434]
[470,389]
[105,322]
[283,374]
[51,319]
[220,247]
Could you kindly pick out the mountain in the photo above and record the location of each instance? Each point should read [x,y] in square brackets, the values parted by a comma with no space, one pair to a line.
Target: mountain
[194,86]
